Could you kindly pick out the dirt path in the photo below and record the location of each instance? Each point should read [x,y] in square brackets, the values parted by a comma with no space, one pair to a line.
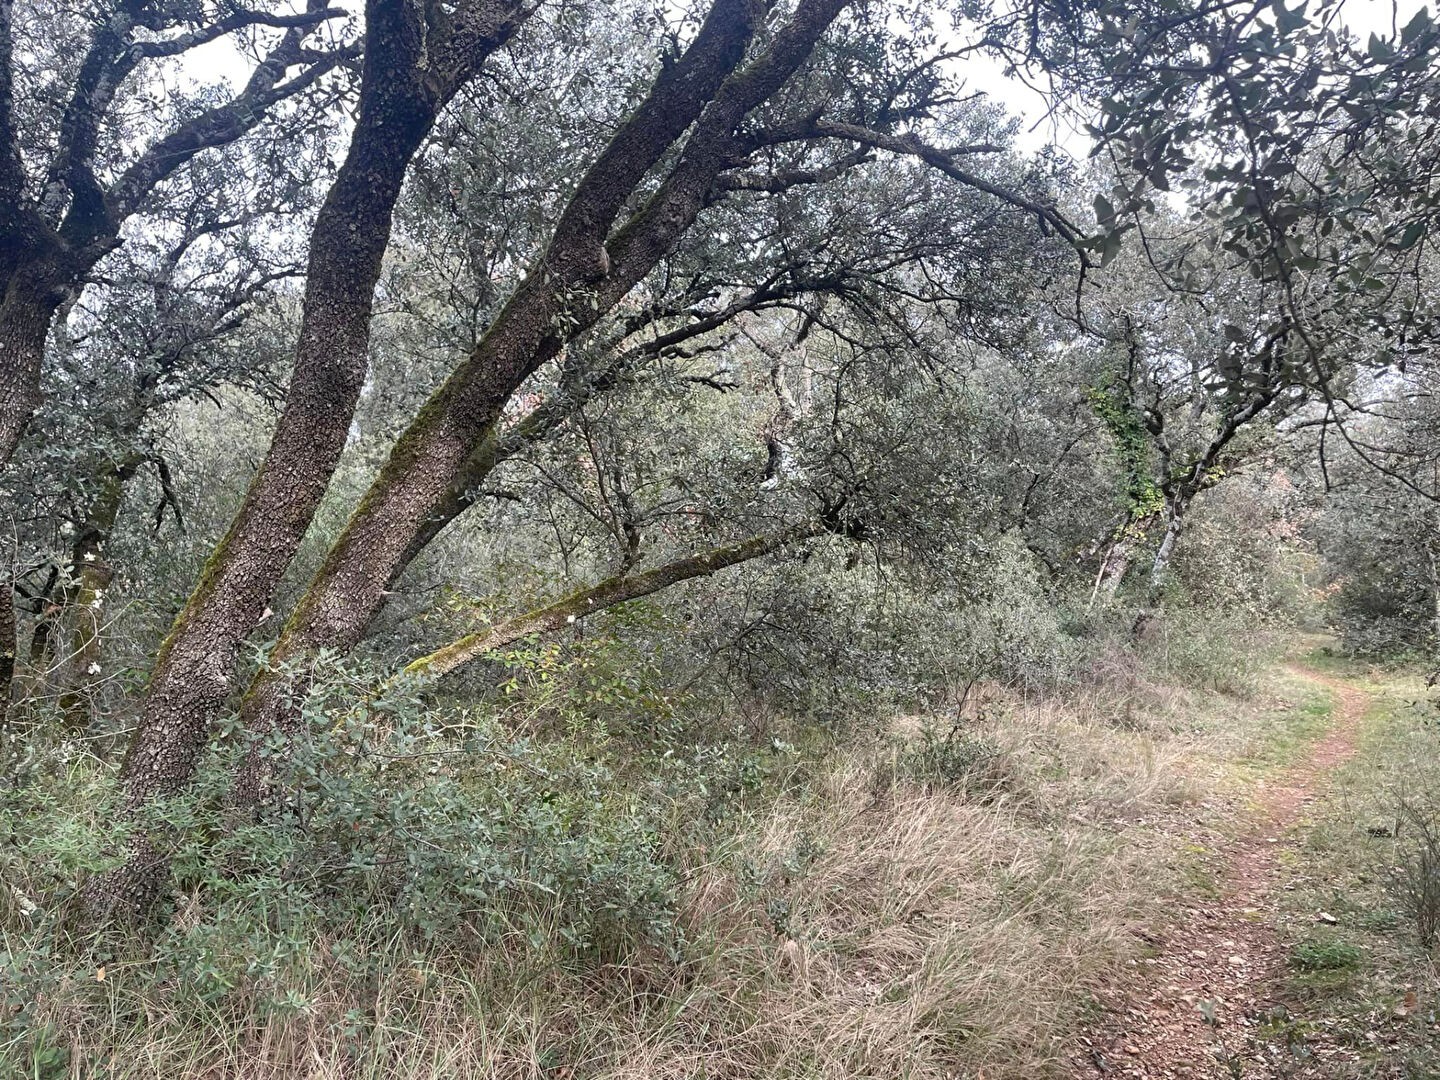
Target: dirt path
[1225,952]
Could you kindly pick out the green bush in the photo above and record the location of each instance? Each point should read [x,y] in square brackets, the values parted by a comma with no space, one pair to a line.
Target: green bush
[1329,954]
[955,760]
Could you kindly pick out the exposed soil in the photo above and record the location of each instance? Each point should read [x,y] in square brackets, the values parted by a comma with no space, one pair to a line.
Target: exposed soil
[1221,957]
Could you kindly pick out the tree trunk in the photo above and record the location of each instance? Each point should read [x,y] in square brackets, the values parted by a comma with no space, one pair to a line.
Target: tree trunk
[1119,558]
[82,601]
[1432,554]
[579,279]
[608,593]
[252,783]
[402,92]
[29,305]
[7,647]
[1160,568]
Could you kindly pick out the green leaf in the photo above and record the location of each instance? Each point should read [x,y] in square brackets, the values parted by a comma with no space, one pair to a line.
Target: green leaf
[1111,248]
[1411,236]
[1290,21]
[1416,26]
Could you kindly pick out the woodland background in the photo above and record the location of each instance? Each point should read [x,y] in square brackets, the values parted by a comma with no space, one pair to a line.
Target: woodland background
[533,530]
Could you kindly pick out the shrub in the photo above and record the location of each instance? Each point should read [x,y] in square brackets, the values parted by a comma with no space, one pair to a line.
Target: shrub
[1415,878]
[1324,955]
[957,760]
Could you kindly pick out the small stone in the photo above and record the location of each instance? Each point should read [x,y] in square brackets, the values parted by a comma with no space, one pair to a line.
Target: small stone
[1326,917]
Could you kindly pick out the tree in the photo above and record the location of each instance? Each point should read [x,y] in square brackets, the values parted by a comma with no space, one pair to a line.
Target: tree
[177,314]
[415,63]
[451,445]
[1185,385]
[69,180]
[744,112]
[69,184]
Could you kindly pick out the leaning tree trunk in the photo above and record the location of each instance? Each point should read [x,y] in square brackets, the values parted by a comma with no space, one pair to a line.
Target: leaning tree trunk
[251,787]
[578,279]
[607,594]
[403,88]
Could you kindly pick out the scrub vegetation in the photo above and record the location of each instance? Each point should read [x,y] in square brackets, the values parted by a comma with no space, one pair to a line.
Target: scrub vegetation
[582,539]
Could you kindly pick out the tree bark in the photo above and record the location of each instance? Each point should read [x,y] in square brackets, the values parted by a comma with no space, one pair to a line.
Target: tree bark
[82,603]
[579,279]
[31,297]
[404,85]
[1120,554]
[8,647]
[1160,568]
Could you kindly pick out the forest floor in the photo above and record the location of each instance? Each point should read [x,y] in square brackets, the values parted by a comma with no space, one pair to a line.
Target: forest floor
[1180,868]
[1252,976]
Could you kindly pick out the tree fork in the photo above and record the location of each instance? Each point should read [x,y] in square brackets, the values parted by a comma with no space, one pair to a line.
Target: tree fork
[418,484]
[706,88]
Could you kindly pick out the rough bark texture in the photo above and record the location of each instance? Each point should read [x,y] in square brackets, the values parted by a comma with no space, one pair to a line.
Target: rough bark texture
[580,278]
[32,294]
[407,79]
[8,646]
[28,294]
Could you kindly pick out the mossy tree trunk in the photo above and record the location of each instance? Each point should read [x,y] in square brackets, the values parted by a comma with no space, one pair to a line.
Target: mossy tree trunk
[7,646]
[252,786]
[607,594]
[411,70]
[82,602]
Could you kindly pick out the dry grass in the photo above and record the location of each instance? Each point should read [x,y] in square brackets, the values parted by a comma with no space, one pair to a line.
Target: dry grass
[863,925]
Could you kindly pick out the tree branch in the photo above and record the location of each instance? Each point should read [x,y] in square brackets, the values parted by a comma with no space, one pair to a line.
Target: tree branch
[606,594]
[12,172]
[225,123]
[237,21]
[944,161]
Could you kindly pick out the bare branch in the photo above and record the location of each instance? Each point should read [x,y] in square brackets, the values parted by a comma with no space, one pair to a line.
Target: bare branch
[226,123]
[239,20]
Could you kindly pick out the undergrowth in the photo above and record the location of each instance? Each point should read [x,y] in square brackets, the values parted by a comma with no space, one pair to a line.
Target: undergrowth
[1361,970]
[540,886]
